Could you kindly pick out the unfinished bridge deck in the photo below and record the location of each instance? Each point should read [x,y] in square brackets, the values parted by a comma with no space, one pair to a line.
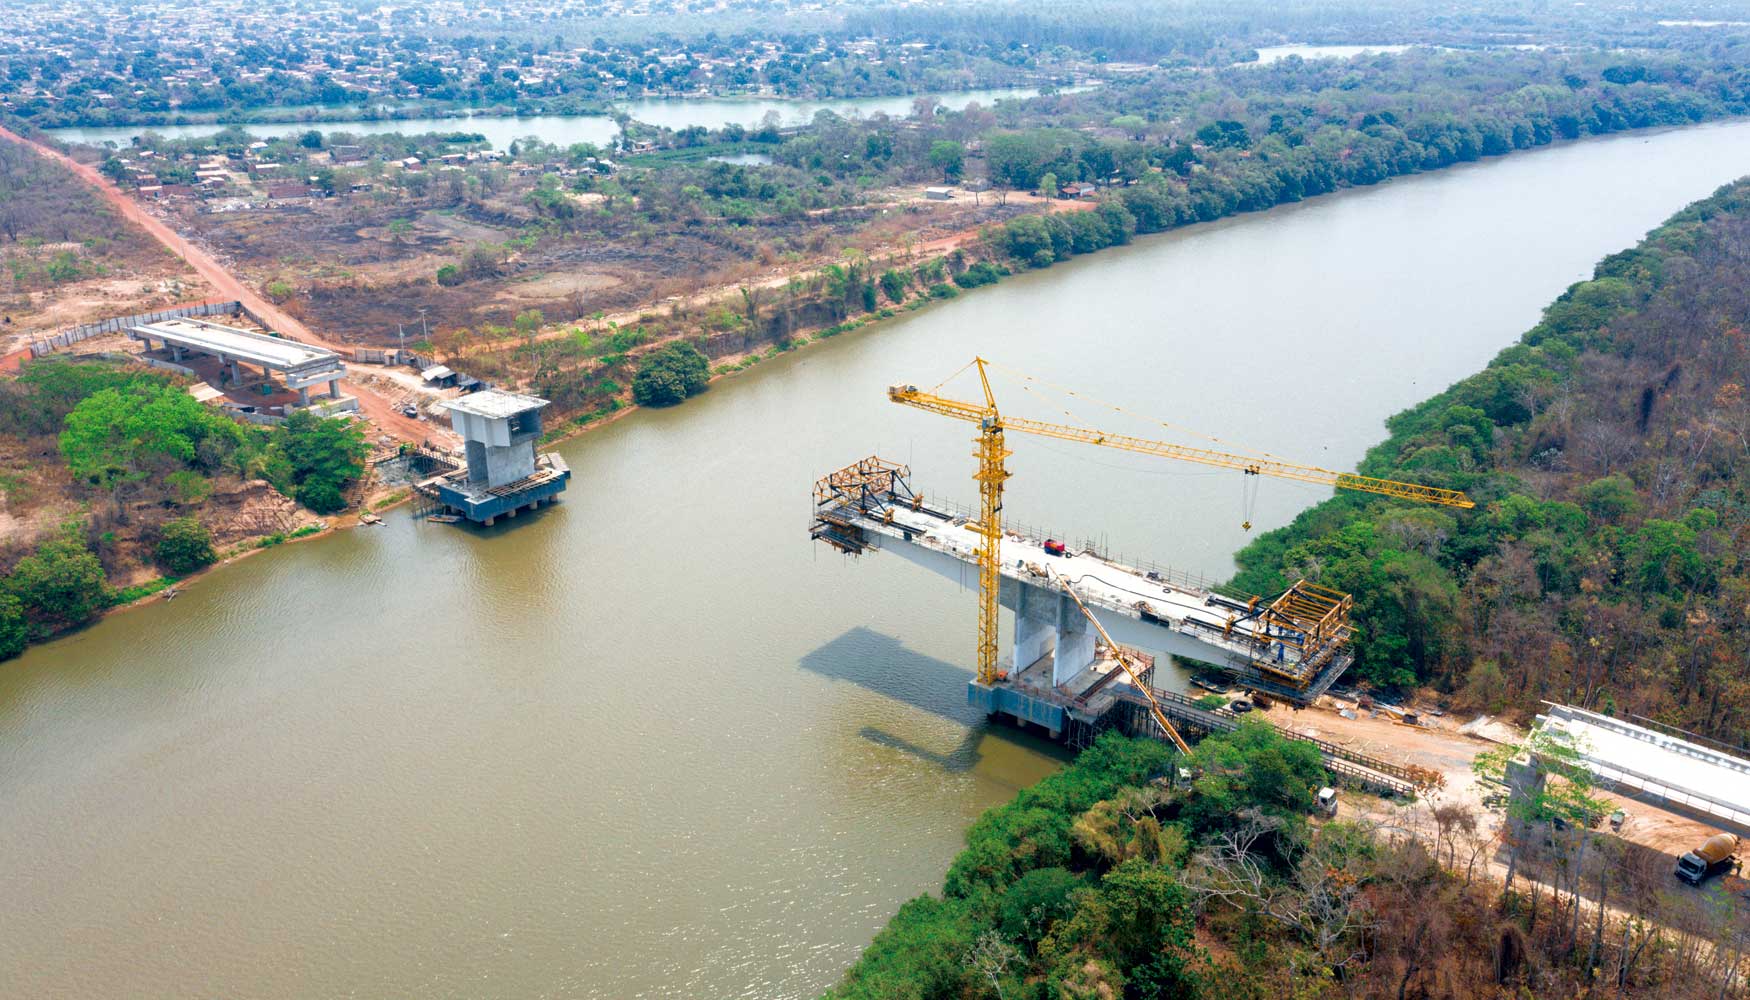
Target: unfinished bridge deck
[1149,608]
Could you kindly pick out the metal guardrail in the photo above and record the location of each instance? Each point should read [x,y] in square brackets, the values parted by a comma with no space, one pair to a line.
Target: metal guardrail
[1166,574]
[1396,778]
[1649,785]
[121,324]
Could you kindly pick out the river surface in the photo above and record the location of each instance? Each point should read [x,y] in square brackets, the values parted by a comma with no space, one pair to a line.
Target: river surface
[652,743]
[564,130]
[1276,53]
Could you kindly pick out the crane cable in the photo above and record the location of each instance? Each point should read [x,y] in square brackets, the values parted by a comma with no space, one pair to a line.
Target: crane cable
[1129,413]
[957,373]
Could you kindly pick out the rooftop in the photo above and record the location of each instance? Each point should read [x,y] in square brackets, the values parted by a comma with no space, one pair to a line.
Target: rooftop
[495,404]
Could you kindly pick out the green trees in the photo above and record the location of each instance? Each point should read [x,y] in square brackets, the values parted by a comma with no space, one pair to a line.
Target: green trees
[919,955]
[184,546]
[1022,159]
[949,157]
[670,375]
[123,434]
[312,458]
[894,283]
[1058,895]
[1225,134]
[59,585]
[321,495]
[528,323]
[1253,767]
[1041,240]
[979,274]
[14,630]
[1036,902]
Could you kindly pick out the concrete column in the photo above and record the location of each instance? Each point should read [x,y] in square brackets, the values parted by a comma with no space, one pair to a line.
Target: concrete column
[175,352]
[1032,635]
[487,522]
[511,512]
[334,388]
[236,372]
[1075,642]
[304,396]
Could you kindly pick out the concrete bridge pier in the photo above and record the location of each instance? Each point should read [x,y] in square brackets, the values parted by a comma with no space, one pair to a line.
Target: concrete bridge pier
[1045,618]
[1035,627]
[1075,642]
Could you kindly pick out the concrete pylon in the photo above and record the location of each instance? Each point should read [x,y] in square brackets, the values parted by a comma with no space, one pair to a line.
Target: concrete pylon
[1032,637]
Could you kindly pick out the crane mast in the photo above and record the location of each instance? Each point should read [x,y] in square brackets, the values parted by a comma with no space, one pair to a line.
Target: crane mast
[992,474]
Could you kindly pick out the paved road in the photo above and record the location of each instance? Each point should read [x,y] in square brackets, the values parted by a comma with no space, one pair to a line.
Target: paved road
[375,407]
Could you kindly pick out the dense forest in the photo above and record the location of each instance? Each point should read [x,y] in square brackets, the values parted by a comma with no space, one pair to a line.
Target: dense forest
[1214,31]
[1605,564]
[1243,138]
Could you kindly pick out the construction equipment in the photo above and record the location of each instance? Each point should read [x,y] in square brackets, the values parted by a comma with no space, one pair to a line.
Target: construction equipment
[992,474]
[1124,663]
[1716,855]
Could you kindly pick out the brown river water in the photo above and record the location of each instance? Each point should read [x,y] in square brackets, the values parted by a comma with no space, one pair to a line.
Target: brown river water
[651,742]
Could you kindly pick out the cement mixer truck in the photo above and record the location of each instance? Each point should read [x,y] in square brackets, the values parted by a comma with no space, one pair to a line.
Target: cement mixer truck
[1718,854]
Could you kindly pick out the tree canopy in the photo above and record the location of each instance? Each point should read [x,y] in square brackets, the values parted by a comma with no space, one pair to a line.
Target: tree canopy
[668,376]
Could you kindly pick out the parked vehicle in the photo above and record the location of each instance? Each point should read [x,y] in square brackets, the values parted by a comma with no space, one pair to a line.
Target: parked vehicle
[1718,854]
[1053,547]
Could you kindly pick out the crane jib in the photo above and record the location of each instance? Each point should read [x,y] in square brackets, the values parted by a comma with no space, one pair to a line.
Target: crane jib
[991,475]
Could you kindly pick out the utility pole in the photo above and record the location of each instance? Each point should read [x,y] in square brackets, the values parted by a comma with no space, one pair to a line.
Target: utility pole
[424,334]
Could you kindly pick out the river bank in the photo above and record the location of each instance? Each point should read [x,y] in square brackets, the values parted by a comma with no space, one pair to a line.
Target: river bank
[986,243]
[648,741]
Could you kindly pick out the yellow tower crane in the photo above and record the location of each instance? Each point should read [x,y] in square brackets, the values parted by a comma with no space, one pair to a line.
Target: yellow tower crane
[992,474]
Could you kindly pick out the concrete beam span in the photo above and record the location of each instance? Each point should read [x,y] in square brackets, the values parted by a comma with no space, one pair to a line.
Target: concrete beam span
[1141,609]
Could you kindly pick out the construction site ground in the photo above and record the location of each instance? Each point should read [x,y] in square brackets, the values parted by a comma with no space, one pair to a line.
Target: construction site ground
[225,284]
[1437,743]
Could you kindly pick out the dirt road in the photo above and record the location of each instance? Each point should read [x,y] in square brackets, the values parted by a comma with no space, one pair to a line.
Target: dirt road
[374,407]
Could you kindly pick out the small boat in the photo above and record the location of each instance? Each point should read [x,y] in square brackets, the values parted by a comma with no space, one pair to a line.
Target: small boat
[369,518]
[444,518]
[1209,682]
